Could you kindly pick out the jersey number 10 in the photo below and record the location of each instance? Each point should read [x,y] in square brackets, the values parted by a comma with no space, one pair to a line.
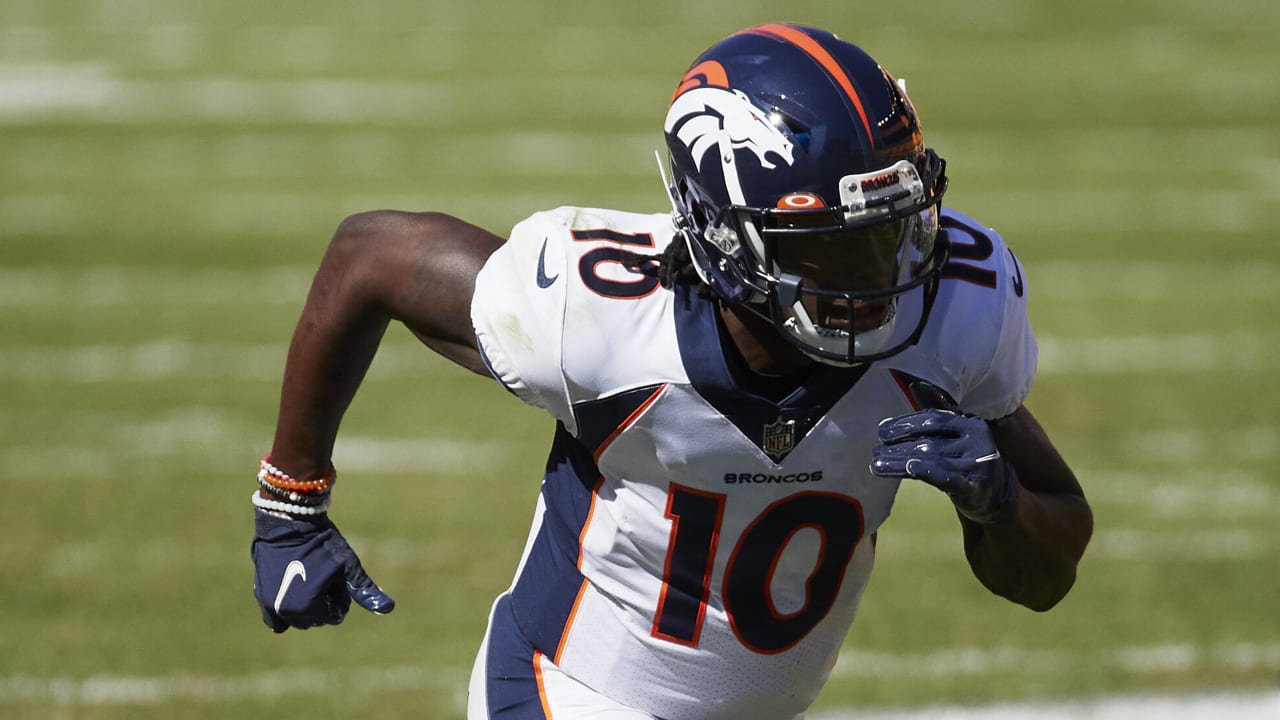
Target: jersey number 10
[696,517]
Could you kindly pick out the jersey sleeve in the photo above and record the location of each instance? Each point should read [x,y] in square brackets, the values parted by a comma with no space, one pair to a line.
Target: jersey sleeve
[518,312]
[1011,370]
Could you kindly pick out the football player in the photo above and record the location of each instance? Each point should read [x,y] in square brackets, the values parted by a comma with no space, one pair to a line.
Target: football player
[739,387]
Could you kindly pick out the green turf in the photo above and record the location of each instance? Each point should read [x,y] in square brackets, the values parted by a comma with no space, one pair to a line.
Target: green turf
[170,173]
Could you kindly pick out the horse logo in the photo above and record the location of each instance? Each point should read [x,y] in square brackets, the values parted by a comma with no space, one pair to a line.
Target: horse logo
[706,117]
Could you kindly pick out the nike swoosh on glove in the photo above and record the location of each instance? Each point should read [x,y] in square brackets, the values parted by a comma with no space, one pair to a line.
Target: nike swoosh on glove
[305,573]
[951,451]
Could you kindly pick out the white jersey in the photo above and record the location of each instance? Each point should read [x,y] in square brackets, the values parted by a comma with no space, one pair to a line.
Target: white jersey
[699,551]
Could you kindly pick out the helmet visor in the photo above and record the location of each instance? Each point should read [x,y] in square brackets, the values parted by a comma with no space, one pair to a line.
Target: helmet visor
[850,293]
[861,262]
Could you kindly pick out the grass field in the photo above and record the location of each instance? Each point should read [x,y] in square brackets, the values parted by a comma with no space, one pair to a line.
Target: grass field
[170,172]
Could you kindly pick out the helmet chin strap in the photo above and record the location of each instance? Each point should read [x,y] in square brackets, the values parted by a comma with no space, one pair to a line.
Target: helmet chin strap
[873,341]
[809,334]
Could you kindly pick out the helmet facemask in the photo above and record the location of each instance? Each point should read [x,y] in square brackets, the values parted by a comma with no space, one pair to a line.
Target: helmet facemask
[854,295]
[845,285]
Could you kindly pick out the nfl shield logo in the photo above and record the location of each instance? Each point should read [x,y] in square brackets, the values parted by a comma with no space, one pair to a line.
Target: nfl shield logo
[779,437]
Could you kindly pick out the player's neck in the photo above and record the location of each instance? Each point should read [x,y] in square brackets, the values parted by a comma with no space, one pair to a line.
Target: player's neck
[758,342]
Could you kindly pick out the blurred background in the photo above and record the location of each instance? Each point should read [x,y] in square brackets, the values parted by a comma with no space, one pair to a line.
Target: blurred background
[171,171]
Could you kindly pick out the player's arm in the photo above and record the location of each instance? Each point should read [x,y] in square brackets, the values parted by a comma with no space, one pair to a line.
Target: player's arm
[1024,516]
[415,268]
[1031,557]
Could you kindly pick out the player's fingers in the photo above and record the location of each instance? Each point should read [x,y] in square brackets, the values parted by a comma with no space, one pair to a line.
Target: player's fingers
[937,473]
[889,460]
[359,586]
[367,594]
[362,588]
[919,424]
[882,467]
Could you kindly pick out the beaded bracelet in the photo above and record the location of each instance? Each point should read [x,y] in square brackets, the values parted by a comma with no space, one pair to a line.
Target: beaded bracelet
[276,478]
[284,507]
[292,496]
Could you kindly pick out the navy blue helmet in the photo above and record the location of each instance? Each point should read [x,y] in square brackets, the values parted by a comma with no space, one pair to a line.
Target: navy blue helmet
[803,188]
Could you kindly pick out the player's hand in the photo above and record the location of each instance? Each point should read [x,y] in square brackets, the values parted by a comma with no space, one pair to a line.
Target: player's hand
[305,573]
[951,451]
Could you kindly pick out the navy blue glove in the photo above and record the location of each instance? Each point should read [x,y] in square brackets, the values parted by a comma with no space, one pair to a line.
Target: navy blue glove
[951,451]
[305,573]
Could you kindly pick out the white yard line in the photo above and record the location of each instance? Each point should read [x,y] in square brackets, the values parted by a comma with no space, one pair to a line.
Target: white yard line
[1152,281]
[1137,660]
[109,690]
[169,359]
[1262,705]
[148,286]
[1236,351]
[145,285]
[31,89]
[353,454]
[161,689]
[108,95]
[1115,544]
[954,662]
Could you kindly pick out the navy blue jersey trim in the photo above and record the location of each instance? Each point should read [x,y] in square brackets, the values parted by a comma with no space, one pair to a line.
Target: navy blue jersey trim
[545,592]
[511,683]
[698,331]
[598,420]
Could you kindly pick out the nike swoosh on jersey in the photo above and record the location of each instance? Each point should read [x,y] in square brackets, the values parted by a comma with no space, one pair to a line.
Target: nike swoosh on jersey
[292,571]
[1017,275]
[543,280]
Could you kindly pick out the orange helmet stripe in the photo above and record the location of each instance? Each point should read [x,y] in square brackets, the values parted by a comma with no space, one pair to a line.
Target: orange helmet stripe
[708,72]
[815,50]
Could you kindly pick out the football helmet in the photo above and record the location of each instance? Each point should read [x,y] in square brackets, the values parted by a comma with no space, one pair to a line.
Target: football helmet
[802,186]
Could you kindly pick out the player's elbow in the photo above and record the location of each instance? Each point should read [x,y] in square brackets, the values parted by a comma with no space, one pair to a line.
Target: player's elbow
[1039,589]
[1048,594]
[402,236]
[360,232]
[359,238]
[1038,578]
[365,258]
[371,244]
[1059,575]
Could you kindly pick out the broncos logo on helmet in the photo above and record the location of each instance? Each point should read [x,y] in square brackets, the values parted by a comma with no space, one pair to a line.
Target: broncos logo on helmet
[706,117]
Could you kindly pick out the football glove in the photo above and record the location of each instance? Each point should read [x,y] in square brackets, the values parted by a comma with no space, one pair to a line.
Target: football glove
[305,573]
[951,451]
